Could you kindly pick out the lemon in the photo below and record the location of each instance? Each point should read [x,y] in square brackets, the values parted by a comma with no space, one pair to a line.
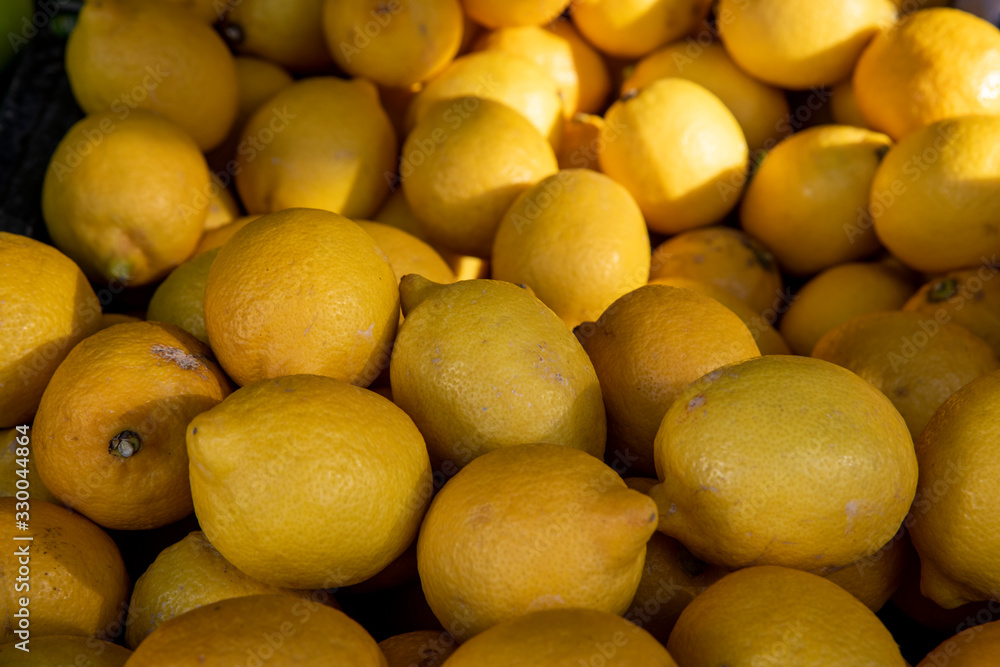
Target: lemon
[531,527]
[514,12]
[972,647]
[783,460]
[425,648]
[800,44]
[286,32]
[352,471]
[679,151]
[482,364]
[291,155]
[107,205]
[180,299]
[778,615]
[952,528]
[257,81]
[188,574]
[301,291]
[647,347]
[78,586]
[762,110]
[577,239]
[13,456]
[464,164]
[844,105]
[394,44]
[124,55]
[396,212]
[835,296]
[407,253]
[935,64]
[582,141]
[633,28]
[915,360]
[874,579]
[65,650]
[47,307]
[932,201]
[222,205]
[214,238]
[563,637]
[969,297]
[725,258]
[513,80]
[109,433]
[808,200]
[768,340]
[579,72]
[237,630]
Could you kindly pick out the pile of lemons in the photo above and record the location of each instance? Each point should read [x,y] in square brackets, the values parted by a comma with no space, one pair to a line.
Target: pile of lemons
[618,332]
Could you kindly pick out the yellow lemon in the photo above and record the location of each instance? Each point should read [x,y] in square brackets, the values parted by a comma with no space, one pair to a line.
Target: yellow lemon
[407,253]
[396,212]
[237,630]
[581,142]
[47,307]
[577,239]
[349,471]
[78,582]
[107,205]
[969,297]
[257,81]
[776,614]
[725,258]
[124,55]
[291,155]
[17,462]
[286,32]
[393,43]
[808,200]
[768,340]
[482,364]
[514,12]
[214,238]
[109,434]
[835,296]
[844,105]
[559,50]
[873,579]
[915,360]
[591,68]
[800,44]
[935,64]
[783,460]
[633,28]
[679,151]
[972,647]
[301,291]
[222,205]
[510,79]
[953,529]
[531,527]
[647,347]
[65,650]
[186,575]
[180,299]
[761,110]
[563,637]
[425,648]
[464,164]
[934,200]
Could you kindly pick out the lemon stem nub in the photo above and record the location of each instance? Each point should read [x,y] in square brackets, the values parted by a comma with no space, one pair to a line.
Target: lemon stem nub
[125,444]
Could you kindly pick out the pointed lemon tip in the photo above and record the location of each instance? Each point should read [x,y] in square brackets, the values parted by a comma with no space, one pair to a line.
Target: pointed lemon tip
[413,289]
